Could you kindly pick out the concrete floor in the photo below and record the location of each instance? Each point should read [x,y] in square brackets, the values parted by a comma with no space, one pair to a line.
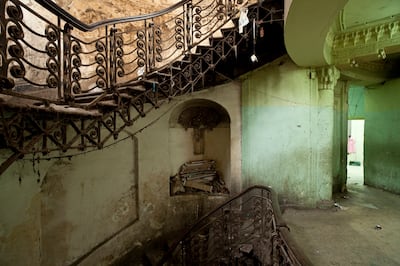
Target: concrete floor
[348,234]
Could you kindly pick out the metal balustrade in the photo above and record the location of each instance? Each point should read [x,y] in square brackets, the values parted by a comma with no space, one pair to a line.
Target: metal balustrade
[67,60]
[246,230]
[69,85]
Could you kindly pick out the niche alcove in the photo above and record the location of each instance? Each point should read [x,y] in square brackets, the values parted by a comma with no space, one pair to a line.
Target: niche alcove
[199,135]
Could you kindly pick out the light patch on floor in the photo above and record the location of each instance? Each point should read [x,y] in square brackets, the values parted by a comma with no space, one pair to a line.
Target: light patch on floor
[365,231]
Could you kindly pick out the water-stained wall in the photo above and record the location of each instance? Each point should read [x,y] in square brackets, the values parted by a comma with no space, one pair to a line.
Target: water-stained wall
[93,208]
[55,211]
[288,119]
[381,136]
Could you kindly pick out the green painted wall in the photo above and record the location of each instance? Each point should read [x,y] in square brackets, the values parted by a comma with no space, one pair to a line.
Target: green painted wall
[382,136]
[287,133]
[356,102]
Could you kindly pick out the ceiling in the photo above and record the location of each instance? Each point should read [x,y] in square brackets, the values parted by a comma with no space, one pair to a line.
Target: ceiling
[309,39]
[360,13]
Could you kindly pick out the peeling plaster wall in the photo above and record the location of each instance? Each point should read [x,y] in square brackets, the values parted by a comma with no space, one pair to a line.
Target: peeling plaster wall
[381,136]
[86,201]
[163,218]
[55,219]
[87,210]
[288,132]
[20,213]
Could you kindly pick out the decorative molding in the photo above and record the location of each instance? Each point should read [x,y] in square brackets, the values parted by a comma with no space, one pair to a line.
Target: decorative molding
[327,77]
[366,42]
[200,117]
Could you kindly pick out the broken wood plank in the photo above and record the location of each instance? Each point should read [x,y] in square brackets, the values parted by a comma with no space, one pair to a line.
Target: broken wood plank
[197,185]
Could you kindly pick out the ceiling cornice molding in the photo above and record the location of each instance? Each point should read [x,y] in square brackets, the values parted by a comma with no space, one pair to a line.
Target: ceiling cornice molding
[368,43]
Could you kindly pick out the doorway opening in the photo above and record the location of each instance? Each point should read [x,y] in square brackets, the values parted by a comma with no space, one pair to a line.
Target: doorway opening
[355,152]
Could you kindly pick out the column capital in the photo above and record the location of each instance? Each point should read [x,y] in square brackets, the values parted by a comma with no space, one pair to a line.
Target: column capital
[327,77]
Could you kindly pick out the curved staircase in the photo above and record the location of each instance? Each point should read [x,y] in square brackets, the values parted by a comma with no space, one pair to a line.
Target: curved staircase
[69,85]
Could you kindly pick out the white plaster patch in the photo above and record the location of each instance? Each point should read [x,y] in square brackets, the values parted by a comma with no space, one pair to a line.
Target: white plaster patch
[137,244]
[121,211]
[155,224]
[148,207]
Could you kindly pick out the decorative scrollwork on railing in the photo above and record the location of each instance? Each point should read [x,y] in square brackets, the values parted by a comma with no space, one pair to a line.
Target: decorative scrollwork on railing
[242,231]
[158,44]
[221,11]
[59,134]
[15,12]
[119,54]
[101,69]
[122,69]
[179,33]
[15,50]
[197,22]
[15,134]
[138,104]
[141,49]
[52,33]
[75,64]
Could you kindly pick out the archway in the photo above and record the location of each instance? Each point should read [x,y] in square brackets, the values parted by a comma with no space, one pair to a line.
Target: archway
[199,130]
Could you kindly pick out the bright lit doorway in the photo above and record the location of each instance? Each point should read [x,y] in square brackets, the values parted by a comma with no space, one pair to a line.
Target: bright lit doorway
[355,152]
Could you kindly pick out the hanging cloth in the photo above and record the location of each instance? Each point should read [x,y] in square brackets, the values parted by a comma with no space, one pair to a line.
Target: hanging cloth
[243,19]
[351,145]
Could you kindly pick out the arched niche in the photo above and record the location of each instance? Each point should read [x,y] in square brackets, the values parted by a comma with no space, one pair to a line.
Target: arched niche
[199,129]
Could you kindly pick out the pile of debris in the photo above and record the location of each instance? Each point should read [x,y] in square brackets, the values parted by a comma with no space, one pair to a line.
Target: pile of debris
[198,176]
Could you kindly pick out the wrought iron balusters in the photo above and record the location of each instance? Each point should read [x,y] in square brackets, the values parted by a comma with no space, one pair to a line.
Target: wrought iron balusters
[101,78]
[243,231]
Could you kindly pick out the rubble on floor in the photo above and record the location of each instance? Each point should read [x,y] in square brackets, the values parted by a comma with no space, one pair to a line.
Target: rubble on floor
[198,176]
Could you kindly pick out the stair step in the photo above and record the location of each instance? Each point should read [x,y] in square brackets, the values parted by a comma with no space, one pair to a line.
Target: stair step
[109,103]
[205,43]
[194,50]
[138,88]
[90,98]
[125,96]
[228,25]
[217,34]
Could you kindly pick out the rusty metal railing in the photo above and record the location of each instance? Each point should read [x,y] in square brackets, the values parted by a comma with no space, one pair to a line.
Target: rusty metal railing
[246,230]
[64,60]
[69,85]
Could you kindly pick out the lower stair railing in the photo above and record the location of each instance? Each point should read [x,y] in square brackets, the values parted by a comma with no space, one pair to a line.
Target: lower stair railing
[246,230]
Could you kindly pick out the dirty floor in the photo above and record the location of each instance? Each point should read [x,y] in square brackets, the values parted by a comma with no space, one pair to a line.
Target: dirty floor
[363,229]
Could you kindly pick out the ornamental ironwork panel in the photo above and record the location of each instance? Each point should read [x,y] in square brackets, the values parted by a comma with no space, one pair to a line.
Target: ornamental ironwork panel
[246,230]
[68,85]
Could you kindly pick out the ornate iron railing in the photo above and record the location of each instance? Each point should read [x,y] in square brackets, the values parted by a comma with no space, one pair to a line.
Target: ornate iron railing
[57,57]
[68,85]
[246,230]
